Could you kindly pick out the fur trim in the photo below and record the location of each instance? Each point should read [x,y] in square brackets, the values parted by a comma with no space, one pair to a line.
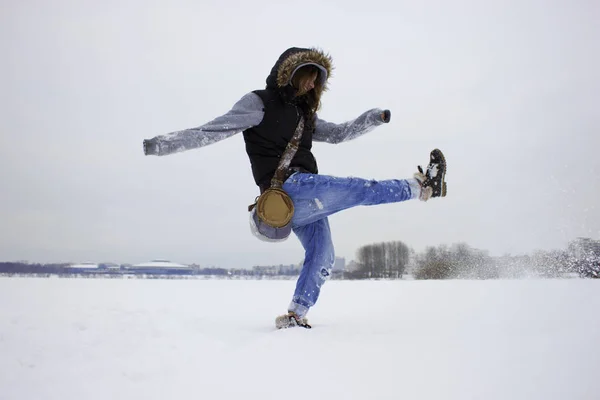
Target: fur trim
[311,56]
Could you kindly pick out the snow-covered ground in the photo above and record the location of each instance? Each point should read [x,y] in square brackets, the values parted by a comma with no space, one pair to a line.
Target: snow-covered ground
[211,339]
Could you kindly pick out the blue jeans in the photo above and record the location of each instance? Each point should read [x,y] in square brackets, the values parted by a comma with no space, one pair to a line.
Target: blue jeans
[316,197]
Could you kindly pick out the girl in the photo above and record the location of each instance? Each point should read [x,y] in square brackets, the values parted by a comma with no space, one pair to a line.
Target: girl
[268,119]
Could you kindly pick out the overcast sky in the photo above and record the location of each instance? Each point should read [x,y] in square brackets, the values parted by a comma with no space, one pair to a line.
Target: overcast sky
[509,90]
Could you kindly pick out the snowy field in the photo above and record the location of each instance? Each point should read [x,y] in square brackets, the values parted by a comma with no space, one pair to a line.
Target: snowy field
[210,339]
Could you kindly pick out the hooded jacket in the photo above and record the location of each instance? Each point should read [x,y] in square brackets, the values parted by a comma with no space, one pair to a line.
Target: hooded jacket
[268,119]
[266,142]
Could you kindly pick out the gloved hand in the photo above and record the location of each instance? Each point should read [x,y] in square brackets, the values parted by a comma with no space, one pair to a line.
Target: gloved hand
[151,147]
[386,116]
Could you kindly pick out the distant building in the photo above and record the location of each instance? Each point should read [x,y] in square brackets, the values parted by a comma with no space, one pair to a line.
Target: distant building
[83,267]
[339,264]
[288,269]
[264,270]
[112,267]
[162,267]
[353,266]
[276,269]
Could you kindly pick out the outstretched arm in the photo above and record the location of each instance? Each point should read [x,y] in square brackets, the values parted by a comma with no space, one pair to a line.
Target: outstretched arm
[246,113]
[337,133]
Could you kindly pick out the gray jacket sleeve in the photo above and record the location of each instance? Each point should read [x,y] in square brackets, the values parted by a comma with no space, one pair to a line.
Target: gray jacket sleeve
[337,133]
[246,113]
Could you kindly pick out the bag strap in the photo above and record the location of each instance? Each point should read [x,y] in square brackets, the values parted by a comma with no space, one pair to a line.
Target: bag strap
[287,156]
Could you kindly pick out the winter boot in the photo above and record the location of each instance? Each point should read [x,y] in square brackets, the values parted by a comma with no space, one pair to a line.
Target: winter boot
[432,181]
[291,320]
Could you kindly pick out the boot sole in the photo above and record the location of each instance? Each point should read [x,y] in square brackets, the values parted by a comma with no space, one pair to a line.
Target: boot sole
[443,162]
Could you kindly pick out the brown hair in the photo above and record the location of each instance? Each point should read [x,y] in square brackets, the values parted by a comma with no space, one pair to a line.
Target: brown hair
[312,99]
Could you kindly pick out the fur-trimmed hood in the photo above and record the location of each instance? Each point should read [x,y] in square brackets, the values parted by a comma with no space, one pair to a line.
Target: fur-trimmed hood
[294,58]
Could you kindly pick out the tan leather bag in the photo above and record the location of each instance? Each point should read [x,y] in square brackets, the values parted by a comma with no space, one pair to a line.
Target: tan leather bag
[275,207]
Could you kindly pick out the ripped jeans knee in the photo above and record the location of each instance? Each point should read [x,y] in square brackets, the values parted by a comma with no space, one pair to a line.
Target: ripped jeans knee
[325,273]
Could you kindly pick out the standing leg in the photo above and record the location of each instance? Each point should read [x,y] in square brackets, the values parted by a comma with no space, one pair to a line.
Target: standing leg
[317,196]
[318,262]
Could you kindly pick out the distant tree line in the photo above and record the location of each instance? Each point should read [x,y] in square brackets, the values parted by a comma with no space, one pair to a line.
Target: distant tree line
[390,260]
[458,261]
[381,260]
